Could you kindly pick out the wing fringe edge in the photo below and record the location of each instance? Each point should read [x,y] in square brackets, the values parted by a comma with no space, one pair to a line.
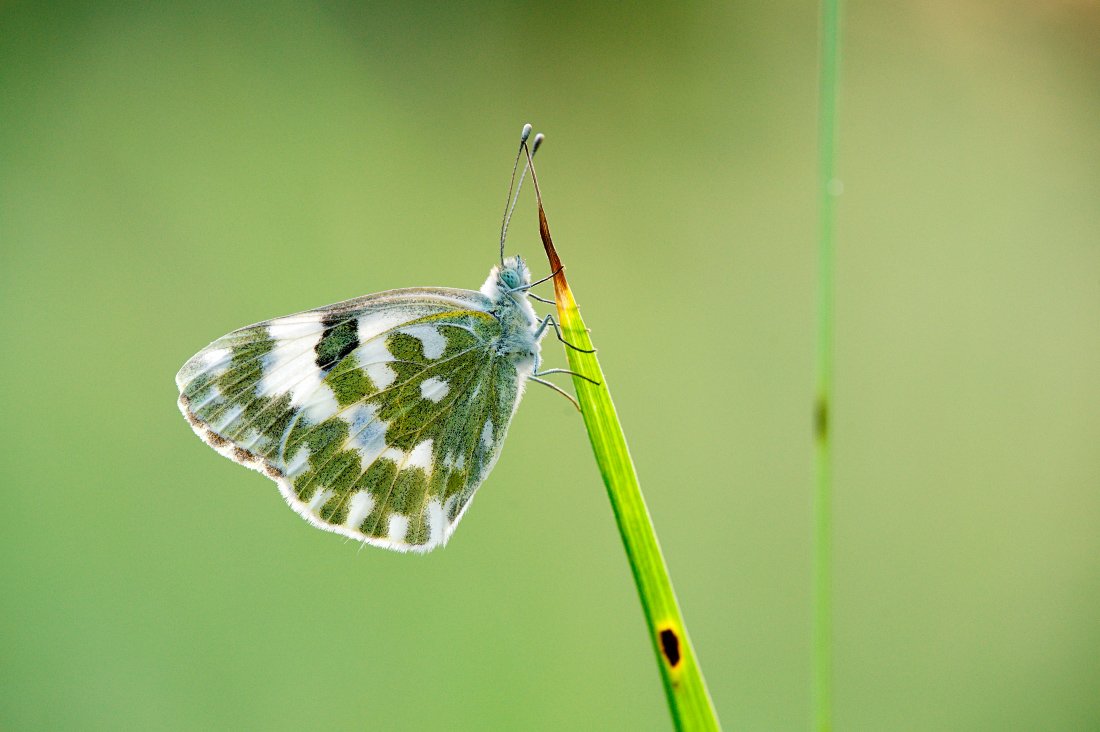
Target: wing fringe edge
[250,460]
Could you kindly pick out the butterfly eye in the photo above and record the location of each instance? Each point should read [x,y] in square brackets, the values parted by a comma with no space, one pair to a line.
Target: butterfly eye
[510,278]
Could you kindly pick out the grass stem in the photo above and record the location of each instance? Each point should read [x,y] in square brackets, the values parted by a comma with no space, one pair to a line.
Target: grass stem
[828,190]
[685,688]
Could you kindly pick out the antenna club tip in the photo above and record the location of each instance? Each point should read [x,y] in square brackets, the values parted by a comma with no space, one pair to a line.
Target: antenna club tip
[539,139]
[526,133]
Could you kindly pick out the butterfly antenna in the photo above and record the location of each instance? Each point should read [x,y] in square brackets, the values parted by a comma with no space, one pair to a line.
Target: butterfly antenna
[508,204]
[515,199]
[531,163]
[534,149]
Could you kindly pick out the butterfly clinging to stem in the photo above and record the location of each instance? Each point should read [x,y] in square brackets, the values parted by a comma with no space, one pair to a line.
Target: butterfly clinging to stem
[380,416]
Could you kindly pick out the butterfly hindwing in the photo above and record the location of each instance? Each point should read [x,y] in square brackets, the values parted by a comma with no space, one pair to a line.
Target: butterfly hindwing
[378,417]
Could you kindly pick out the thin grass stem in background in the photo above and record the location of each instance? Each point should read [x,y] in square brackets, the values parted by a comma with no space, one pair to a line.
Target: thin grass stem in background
[828,190]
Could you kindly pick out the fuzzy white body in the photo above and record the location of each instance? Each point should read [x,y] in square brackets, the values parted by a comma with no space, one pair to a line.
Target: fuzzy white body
[519,339]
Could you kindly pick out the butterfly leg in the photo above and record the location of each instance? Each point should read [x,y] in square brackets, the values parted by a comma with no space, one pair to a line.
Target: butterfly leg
[527,288]
[547,278]
[547,372]
[558,389]
[549,320]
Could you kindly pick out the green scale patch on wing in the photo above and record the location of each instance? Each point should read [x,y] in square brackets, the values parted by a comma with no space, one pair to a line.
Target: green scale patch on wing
[378,423]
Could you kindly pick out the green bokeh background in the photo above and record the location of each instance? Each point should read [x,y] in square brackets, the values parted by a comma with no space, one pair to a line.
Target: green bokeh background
[170,173]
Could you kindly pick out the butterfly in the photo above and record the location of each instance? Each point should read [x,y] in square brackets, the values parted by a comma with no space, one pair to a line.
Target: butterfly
[378,417]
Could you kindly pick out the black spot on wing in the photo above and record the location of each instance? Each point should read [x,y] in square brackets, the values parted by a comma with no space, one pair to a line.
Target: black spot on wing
[341,337]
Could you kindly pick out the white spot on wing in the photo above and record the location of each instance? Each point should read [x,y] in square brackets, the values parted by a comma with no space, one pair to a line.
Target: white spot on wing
[209,361]
[290,367]
[216,358]
[381,374]
[374,324]
[228,418]
[421,457]
[300,462]
[359,507]
[299,327]
[434,389]
[429,336]
[399,526]
[487,434]
[366,433]
[320,498]
[375,359]
[437,522]
[319,404]
[392,453]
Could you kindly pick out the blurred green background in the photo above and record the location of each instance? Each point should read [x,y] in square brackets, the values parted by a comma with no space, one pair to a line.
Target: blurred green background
[169,173]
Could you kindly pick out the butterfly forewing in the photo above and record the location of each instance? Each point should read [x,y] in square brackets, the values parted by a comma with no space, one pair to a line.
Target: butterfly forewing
[378,417]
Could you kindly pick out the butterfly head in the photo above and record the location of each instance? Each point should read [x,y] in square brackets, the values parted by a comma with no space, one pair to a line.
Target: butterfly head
[507,286]
[514,273]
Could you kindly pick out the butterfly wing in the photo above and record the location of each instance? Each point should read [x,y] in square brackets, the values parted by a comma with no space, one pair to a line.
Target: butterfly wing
[378,417]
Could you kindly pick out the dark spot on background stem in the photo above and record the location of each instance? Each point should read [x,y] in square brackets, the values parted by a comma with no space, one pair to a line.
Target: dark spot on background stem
[821,419]
[670,646]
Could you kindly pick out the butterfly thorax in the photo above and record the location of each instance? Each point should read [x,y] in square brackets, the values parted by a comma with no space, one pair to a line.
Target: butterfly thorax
[505,288]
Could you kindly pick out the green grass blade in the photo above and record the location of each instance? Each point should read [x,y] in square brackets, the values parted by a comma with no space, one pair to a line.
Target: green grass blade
[684,685]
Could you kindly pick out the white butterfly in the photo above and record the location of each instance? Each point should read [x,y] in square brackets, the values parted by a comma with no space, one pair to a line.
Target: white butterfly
[378,417]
